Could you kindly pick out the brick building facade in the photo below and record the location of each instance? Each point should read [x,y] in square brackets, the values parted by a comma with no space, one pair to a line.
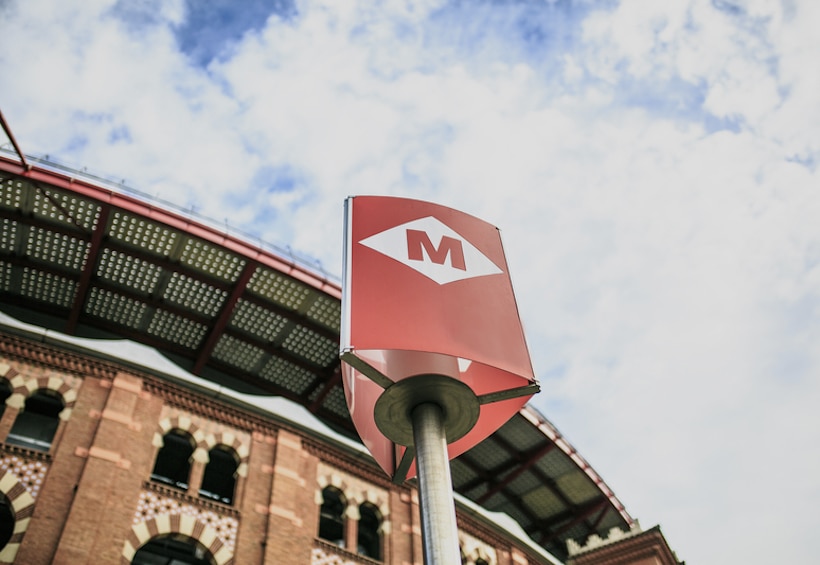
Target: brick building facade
[90,496]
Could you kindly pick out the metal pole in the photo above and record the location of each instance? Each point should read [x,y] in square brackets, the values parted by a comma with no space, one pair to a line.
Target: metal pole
[439,534]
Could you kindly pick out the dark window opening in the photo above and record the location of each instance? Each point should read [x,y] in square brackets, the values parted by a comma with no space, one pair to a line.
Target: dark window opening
[331,516]
[369,541]
[480,561]
[6,521]
[173,465]
[219,480]
[36,425]
[5,392]
[174,549]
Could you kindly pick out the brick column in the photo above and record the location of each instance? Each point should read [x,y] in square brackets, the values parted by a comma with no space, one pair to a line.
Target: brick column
[251,497]
[60,484]
[352,527]
[115,465]
[415,529]
[199,460]
[292,509]
[7,421]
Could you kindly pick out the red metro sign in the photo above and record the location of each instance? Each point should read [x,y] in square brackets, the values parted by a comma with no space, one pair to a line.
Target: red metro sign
[428,315]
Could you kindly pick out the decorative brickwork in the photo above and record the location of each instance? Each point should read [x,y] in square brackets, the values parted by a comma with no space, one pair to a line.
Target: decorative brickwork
[157,515]
[43,355]
[22,505]
[108,448]
[24,386]
[185,423]
[320,556]
[189,401]
[492,544]
[594,542]
[474,549]
[7,371]
[328,554]
[30,473]
[356,492]
[635,546]
[240,444]
[206,433]
[365,468]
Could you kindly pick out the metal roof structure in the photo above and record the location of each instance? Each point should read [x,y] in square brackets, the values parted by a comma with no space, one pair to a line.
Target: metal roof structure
[85,259]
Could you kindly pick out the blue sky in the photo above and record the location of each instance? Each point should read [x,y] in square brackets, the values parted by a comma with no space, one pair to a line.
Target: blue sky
[652,167]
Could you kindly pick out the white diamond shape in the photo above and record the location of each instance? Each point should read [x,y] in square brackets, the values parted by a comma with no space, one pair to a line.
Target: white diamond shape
[440,258]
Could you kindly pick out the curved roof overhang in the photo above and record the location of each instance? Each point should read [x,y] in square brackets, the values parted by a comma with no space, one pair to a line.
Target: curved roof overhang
[88,260]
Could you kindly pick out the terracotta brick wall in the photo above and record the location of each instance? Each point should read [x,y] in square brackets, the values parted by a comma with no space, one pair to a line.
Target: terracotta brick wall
[97,505]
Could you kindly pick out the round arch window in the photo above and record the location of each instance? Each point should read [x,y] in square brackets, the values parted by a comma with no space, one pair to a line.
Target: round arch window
[5,392]
[332,516]
[173,464]
[176,549]
[36,425]
[6,521]
[370,539]
[219,480]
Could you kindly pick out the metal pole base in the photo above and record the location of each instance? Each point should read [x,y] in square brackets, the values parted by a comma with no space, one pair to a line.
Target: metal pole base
[439,534]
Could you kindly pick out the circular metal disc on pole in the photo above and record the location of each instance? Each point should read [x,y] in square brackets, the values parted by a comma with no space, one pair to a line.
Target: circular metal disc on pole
[459,407]
[439,533]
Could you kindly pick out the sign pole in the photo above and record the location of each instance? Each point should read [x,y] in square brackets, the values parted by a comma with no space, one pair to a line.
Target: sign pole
[439,534]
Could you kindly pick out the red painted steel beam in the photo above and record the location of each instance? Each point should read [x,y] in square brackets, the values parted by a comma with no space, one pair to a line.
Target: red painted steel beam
[219,325]
[467,460]
[91,261]
[597,522]
[530,460]
[10,135]
[506,466]
[542,478]
[579,516]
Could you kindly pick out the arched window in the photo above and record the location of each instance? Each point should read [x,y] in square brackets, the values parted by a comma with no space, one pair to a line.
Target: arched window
[173,465]
[5,392]
[219,480]
[332,516]
[174,549]
[369,542]
[36,425]
[6,521]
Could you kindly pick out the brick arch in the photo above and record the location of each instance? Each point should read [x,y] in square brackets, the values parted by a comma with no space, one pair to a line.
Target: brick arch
[474,549]
[336,481]
[240,448]
[22,504]
[379,500]
[186,424]
[356,493]
[143,532]
[375,498]
[23,387]
[8,372]
[385,525]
